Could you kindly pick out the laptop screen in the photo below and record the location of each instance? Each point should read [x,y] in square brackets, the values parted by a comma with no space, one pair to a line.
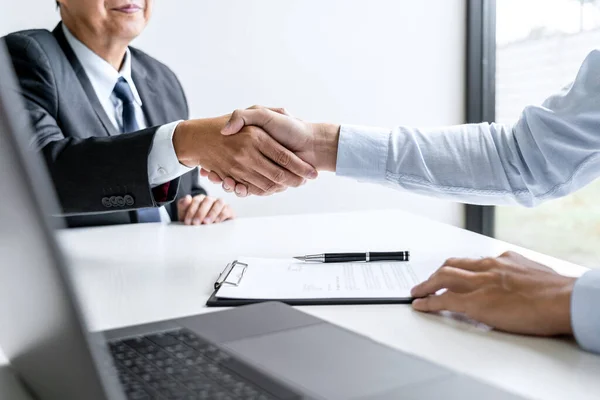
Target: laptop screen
[41,330]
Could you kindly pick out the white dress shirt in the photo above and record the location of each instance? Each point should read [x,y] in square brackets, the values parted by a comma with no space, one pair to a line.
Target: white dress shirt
[551,151]
[163,165]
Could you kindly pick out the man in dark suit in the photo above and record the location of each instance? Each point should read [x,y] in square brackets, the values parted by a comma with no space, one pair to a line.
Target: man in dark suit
[110,121]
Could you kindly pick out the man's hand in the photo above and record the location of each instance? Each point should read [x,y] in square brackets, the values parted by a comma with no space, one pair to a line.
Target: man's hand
[252,157]
[510,293]
[202,209]
[314,143]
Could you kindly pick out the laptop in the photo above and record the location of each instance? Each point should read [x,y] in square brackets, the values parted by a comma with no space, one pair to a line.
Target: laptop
[264,351]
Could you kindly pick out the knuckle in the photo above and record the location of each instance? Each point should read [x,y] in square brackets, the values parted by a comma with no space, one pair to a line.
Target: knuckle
[252,135]
[450,261]
[488,262]
[255,191]
[295,181]
[279,176]
[508,254]
[270,188]
[444,272]
[283,158]
[237,171]
[497,277]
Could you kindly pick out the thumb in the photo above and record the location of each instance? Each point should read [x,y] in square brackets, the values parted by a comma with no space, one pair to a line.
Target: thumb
[241,118]
[185,201]
[182,206]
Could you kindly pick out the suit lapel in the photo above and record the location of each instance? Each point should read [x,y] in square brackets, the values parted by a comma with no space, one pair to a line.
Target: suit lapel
[84,81]
[151,105]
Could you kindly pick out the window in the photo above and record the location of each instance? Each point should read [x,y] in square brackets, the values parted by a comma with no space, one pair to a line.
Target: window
[540,45]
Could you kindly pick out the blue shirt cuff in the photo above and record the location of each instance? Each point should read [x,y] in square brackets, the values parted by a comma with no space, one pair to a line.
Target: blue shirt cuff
[363,153]
[585,311]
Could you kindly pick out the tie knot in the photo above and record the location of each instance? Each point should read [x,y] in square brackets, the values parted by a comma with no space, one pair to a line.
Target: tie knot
[123,91]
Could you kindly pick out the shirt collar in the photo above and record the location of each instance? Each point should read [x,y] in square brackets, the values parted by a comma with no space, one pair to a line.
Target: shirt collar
[101,74]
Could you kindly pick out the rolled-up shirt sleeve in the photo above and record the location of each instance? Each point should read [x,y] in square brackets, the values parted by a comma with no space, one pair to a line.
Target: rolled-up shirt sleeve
[585,311]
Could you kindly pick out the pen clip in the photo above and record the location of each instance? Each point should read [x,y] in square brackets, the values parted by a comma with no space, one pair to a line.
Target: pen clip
[223,278]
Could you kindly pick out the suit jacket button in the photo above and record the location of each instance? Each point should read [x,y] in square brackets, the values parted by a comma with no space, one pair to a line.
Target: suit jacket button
[106,202]
[128,200]
[113,200]
[120,201]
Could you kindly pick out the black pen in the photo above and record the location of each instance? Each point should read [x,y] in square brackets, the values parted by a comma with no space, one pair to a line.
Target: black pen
[354,257]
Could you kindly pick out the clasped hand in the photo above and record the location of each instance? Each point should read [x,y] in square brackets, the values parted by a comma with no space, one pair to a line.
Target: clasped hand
[315,144]
[252,157]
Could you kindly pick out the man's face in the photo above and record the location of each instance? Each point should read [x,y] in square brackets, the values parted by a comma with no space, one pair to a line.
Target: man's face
[123,19]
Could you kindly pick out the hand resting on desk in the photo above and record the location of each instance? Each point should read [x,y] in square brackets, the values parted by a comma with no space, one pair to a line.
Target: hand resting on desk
[203,210]
[510,293]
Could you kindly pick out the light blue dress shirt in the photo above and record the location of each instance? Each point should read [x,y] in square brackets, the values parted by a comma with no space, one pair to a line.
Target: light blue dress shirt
[551,151]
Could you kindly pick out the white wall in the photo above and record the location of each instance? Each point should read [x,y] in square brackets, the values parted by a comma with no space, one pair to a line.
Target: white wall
[377,62]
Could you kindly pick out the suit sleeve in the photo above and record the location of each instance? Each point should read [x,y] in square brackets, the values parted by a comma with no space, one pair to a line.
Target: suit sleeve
[86,171]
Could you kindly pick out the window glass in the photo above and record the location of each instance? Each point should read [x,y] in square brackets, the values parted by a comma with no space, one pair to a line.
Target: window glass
[540,46]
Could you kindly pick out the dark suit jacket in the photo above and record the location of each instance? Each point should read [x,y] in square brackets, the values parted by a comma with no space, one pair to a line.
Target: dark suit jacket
[93,166]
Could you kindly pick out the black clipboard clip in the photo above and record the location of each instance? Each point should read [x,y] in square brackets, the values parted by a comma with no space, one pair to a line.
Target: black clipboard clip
[224,279]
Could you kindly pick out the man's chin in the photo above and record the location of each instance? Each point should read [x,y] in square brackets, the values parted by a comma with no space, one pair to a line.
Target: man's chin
[129,30]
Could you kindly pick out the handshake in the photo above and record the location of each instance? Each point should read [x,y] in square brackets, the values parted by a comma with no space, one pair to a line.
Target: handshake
[257,151]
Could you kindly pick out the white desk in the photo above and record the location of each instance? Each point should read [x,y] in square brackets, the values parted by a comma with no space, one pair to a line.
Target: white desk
[140,273]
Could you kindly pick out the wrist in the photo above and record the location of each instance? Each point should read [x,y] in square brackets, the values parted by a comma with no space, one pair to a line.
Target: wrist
[182,140]
[193,140]
[327,137]
[560,306]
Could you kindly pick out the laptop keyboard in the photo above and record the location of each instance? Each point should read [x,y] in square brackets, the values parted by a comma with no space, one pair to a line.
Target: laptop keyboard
[179,365]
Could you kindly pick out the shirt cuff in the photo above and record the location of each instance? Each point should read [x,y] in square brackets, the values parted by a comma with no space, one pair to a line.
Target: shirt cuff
[163,165]
[585,314]
[363,153]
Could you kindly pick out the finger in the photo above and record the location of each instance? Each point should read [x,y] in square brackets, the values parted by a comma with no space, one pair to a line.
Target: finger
[472,264]
[453,279]
[229,184]
[226,214]
[242,190]
[203,210]
[182,206]
[191,211]
[214,212]
[241,118]
[266,176]
[214,177]
[448,301]
[293,165]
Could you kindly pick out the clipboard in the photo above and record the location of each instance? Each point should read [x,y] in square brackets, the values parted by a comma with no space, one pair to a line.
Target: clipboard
[234,273]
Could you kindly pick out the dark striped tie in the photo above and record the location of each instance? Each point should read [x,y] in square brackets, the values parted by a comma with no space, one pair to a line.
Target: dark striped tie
[124,93]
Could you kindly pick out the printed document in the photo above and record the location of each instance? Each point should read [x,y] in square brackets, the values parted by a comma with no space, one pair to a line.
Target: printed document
[290,279]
